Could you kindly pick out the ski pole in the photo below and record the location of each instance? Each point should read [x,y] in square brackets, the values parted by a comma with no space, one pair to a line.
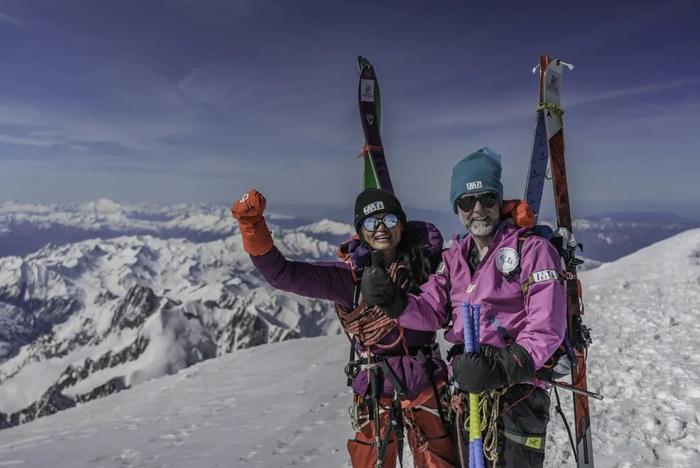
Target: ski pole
[470,320]
[573,389]
[373,376]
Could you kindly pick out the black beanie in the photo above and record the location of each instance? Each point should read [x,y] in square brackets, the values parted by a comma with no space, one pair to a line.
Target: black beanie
[372,201]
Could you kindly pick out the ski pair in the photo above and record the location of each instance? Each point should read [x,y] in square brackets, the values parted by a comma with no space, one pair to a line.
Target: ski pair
[375,175]
[548,145]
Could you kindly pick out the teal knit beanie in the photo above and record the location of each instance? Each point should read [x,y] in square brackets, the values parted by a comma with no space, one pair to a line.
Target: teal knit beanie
[476,173]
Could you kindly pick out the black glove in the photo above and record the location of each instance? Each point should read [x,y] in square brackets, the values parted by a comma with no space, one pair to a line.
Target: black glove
[378,289]
[492,368]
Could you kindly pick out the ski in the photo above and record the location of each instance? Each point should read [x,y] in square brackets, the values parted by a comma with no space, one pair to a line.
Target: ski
[550,106]
[540,152]
[548,146]
[376,172]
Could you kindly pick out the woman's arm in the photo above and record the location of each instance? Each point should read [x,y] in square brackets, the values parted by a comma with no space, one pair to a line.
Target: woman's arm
[321,280]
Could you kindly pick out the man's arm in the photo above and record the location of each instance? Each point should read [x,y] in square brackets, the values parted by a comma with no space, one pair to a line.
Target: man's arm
[429,310]
[545,300]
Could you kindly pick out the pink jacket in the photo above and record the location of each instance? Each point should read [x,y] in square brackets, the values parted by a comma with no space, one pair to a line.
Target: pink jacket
[536,320]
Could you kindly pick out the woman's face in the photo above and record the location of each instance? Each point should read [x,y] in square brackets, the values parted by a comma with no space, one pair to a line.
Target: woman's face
[381,237]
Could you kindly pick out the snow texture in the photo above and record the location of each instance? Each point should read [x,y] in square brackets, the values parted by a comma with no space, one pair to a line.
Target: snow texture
[285,404]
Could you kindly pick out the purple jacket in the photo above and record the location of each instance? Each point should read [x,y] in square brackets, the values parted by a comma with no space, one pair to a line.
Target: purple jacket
[536,320]
[334,281]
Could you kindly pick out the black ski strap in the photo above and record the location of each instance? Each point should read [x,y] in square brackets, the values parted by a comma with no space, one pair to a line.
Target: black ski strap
[349,373]
[430,367]
[376,384]
[393,379]
[395,411]
[356,295]
[566,423]
[385,441]
[396,415]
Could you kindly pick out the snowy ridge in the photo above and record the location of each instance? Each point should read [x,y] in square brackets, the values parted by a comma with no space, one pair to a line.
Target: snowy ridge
[608,238]
[285,404]
[326,226]
[25,228]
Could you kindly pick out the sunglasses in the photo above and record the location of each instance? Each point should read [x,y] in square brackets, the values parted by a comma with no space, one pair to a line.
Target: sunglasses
[371,224]
[487,200]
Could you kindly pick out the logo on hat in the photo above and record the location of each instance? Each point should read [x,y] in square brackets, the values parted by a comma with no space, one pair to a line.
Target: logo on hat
[507,260]
[474,185]
[372,207]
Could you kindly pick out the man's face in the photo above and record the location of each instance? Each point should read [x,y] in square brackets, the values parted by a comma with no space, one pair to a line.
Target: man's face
[480,213]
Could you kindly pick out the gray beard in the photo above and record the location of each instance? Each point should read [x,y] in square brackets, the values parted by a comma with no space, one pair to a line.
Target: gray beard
[480,228]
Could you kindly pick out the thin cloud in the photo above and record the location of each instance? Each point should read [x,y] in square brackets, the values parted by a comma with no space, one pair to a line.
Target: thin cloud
[631,91]
[517,108]
[47,127]
[9,19]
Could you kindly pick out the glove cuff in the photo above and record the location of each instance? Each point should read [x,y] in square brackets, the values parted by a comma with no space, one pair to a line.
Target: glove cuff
[257,239]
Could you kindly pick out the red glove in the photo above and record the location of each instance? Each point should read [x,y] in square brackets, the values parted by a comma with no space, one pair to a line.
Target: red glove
[520,211]
[248,211]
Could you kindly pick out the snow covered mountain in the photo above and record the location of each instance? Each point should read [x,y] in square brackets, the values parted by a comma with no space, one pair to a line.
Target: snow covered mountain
[285,404]
[127,292]
[85,319]
[25,228]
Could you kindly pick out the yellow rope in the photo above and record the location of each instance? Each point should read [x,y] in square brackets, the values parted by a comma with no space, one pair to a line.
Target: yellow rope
[490,417]
[489,411]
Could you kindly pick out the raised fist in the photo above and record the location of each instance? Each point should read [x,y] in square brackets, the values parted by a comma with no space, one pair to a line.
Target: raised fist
[248,211]
[250,207]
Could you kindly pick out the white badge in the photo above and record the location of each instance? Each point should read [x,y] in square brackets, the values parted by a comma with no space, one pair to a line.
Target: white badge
[366,90]
[507,259]
[544,275]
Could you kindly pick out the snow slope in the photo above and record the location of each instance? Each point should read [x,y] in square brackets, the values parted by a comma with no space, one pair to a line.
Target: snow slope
[276,405]
[285,404]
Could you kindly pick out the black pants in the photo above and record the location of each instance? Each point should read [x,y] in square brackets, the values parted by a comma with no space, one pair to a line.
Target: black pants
[522,428]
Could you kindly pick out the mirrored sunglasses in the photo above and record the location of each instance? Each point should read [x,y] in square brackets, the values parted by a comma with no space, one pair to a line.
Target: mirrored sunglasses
[371,224]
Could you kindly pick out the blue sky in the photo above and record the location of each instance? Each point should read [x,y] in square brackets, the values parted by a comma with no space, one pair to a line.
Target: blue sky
[177,101]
